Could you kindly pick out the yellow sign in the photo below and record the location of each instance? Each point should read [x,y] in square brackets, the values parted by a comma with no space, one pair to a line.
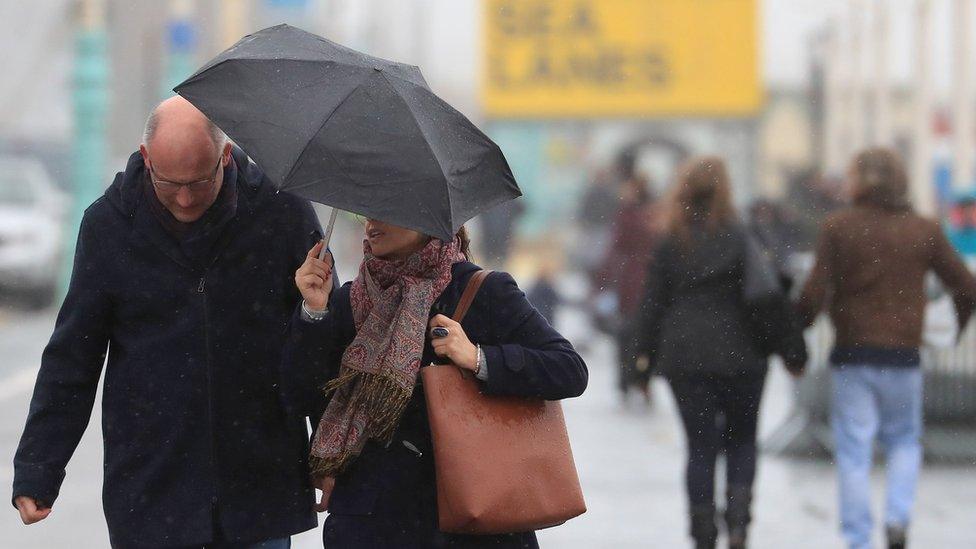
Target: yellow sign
[586,58]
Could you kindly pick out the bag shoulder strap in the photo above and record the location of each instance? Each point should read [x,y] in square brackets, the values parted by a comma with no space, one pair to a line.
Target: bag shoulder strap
[470,291]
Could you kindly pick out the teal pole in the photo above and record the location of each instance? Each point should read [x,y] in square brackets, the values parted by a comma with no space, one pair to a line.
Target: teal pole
[90,105]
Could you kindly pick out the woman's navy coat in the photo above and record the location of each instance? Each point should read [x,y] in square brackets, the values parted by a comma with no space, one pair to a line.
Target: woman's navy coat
[193,427]
[387,498]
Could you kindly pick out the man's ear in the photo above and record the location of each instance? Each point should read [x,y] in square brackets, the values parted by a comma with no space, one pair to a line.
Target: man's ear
[145,154]
[226,153]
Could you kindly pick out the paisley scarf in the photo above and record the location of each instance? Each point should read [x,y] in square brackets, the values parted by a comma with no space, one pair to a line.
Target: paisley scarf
[391,301]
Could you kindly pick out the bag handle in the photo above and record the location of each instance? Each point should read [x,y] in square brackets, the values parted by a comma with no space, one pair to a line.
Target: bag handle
[467,297]
[470,291]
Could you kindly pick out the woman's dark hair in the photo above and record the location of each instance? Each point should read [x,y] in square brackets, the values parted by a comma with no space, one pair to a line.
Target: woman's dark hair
[462,235]
[703,194]
[878,178]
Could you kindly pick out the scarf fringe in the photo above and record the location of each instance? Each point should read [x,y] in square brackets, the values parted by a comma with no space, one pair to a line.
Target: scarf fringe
[382,399]
[328,467]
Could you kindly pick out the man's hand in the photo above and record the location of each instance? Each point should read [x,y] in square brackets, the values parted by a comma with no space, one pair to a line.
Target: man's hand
[31,510]
[325,484]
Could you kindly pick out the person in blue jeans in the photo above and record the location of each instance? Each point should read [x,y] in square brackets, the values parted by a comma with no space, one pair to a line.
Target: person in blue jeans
[880,402]
[872,259]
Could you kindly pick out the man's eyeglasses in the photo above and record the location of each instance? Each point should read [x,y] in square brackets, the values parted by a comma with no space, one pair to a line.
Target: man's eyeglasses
[170,187]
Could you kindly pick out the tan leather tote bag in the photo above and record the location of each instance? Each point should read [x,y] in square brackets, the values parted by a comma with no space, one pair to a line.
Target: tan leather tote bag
[503,464]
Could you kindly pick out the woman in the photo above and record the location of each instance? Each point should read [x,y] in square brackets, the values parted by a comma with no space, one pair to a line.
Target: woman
[872,259]
[624,270]
[371,452]
[695,329]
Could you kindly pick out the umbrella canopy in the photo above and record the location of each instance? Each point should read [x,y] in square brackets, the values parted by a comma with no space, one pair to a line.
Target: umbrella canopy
[350,130]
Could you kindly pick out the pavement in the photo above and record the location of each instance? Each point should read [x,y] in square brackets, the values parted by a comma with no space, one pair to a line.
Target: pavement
[630,461]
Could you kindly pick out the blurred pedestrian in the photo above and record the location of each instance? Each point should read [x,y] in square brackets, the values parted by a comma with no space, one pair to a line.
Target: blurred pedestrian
[812,195]
[624,271]
[543,295]
[871,263]
[962,225]
[181,286]
[774,232]
[498,231]
[597,208]
[696,330]
[372,454]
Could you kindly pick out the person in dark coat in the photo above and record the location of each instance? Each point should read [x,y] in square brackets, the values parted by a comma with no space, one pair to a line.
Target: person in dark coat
[372,453]
[181,281]
[498,231]
[543,295]
[695,329]
[595,213]
[776,233]
[625,270]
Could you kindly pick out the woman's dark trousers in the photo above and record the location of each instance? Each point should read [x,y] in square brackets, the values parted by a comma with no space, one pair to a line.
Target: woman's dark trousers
[719,414]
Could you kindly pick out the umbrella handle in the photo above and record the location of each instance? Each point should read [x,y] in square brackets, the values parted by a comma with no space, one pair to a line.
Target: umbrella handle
[328,233]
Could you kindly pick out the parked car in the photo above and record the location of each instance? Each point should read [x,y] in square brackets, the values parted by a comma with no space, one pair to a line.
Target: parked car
[32,223]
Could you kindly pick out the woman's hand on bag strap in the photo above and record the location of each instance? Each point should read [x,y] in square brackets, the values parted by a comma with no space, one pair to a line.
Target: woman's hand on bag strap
[455,345]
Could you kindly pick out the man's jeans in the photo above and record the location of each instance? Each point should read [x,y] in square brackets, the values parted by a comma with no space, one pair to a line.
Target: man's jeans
[882,402]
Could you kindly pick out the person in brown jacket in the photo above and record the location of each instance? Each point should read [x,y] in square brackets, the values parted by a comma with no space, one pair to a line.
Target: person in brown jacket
[869,274]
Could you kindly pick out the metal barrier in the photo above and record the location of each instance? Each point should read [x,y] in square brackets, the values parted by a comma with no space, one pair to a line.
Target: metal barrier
[949,377]
[949,401]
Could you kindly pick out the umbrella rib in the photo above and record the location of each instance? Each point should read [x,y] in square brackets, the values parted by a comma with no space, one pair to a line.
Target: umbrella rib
[450,202]
[407,80]
[196,76]
[324,122]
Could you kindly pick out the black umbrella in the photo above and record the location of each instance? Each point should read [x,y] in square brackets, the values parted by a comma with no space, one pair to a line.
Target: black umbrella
[352,131]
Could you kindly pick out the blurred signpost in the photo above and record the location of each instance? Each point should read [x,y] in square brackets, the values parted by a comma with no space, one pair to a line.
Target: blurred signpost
[575,73]
[181,43]
[590,58]
[90,100]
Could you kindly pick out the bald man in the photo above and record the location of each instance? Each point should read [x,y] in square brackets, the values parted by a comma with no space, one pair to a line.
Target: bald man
[182,286]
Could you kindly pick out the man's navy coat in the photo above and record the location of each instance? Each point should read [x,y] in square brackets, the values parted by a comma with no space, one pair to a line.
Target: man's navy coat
[195,435]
